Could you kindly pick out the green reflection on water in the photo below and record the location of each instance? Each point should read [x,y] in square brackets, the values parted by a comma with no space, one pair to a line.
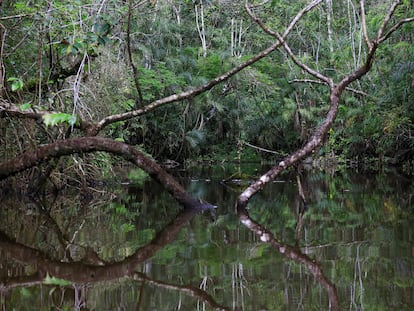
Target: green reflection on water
[358,227]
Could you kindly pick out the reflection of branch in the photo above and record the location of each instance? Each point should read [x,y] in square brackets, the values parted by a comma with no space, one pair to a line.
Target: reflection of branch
[301,210]
[293,254]
[189,290]
[82,273]
[209,85]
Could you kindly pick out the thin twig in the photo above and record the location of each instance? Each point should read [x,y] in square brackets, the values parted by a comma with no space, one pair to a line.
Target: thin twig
[350,89]
[364,24]
[260,148]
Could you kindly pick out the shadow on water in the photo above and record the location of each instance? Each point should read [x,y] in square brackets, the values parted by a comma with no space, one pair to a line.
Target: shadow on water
[350,247]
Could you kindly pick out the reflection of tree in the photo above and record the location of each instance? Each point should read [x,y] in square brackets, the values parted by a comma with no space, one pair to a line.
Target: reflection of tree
[293,253]
[81,273]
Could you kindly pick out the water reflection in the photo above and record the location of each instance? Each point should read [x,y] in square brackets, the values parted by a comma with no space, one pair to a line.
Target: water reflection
[54,272]
[351,249]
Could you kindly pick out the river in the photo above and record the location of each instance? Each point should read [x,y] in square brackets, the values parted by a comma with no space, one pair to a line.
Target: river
[126,246]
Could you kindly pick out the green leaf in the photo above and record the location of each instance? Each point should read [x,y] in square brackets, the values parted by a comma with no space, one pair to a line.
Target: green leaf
[17,83]
[52,119]
[55,281]
[25,106]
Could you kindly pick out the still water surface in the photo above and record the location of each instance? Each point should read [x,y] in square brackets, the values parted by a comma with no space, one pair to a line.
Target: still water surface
[132,247]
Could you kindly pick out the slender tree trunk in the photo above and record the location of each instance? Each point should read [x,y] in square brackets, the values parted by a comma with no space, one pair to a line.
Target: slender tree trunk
[201,29]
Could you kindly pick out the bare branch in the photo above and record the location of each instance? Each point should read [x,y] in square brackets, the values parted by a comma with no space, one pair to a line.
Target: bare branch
[305,67]
[387,18]
[394,28]
[184,95]
[260,148]
[292,24]
[364,25]
[350,89]
[292,253]
[281,38]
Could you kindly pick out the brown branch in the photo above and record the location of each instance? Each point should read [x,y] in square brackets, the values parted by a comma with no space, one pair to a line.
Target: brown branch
[305,67]
[318,136]
[92,144]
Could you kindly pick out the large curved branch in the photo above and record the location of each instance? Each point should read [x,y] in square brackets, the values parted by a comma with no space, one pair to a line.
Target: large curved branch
[209,85]
[184,95]
[92,129]
[318,136]
[92,144]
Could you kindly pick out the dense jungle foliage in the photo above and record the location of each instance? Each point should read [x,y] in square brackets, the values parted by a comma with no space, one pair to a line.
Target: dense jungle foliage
[96,58]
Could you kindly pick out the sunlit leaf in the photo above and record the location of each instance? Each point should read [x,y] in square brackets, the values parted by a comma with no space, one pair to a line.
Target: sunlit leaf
[48,280]
[52,119]
[25,106]
[17,83]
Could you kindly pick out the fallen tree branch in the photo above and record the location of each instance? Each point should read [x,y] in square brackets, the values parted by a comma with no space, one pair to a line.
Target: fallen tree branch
[91,144]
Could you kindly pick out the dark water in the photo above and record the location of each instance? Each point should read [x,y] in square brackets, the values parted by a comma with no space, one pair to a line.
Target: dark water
[133,248]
